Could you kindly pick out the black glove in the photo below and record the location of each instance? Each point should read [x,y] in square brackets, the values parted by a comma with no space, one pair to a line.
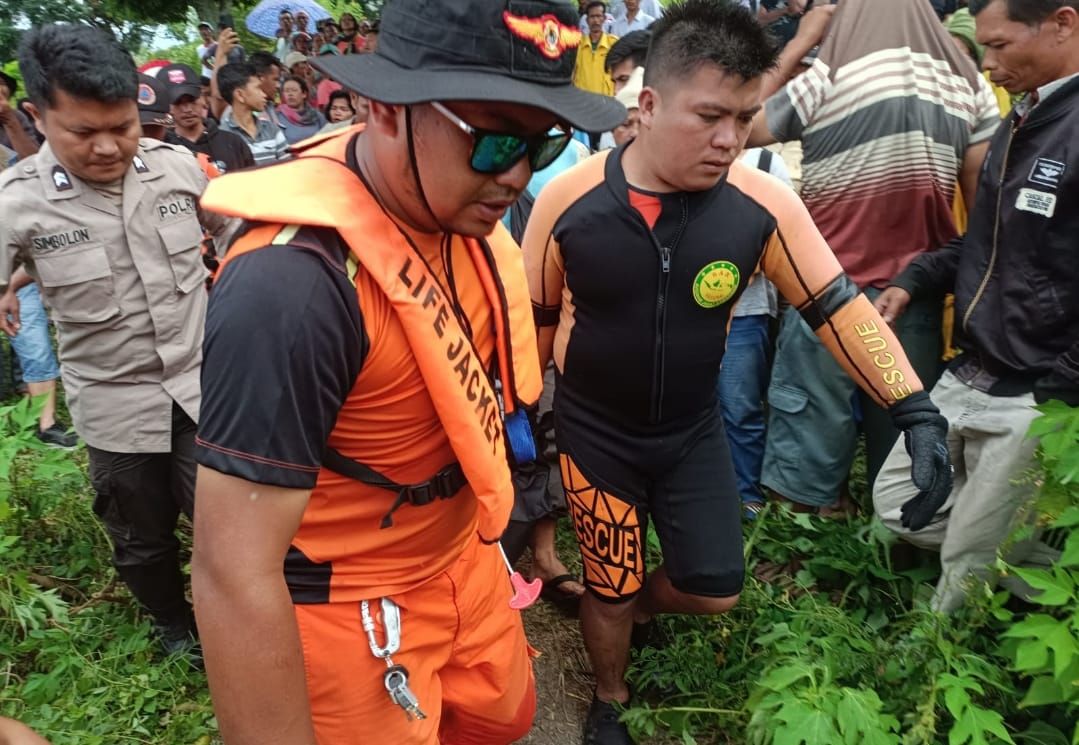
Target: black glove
[1056,386]
[925,433]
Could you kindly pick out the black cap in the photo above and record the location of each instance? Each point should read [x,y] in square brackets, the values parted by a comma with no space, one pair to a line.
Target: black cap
[153,101]
[180,80]
[515,51]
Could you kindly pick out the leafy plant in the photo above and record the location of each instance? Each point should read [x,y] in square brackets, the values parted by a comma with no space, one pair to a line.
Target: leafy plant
[1043,647]
[76,661]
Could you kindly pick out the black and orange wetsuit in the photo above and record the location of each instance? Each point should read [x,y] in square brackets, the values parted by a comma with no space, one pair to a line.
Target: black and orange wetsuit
[640,287]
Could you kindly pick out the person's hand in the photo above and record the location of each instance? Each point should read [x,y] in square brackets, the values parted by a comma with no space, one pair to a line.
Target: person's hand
[796,7]
[925,433]
[7,114]
[15,733]
[814,25]
[9,314]
[892,303]
[227,40]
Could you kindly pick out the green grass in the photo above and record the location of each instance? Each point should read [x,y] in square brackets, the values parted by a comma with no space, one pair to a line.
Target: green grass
[842,650]
[77,661]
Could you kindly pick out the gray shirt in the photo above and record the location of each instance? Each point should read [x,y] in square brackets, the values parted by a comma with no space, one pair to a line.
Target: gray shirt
[268,145]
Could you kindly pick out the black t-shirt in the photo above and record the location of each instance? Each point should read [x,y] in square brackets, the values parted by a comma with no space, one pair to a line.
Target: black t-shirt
[288,317]
[227,150]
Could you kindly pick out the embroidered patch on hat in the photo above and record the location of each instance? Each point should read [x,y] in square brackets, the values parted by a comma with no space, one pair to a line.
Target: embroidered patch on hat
[550,36]
[1047,172]
[147,97]
[176,77]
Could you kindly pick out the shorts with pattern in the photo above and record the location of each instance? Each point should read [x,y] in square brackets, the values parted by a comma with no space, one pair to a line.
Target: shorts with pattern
[682,480]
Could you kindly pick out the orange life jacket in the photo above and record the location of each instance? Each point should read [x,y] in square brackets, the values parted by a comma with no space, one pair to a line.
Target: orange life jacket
[319,189]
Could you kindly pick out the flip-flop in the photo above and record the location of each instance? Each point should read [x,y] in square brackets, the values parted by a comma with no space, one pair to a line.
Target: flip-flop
[751,509]
[555,595]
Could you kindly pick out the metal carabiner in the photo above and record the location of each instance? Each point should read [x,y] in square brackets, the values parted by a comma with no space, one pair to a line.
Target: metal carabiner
[391,622]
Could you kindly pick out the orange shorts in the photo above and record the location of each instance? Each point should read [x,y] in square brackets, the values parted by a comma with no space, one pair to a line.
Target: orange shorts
[469,664]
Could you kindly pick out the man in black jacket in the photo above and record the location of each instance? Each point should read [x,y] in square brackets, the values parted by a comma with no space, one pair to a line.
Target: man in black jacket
[1015,276]
[227,151]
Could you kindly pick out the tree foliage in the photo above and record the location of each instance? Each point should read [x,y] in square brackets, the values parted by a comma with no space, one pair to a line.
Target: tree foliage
[134,22]
[130,25]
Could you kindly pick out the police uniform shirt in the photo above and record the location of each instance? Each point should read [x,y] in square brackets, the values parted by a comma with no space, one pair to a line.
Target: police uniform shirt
[125,285]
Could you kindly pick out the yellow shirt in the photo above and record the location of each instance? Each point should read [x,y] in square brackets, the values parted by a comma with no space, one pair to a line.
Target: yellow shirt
[591,73]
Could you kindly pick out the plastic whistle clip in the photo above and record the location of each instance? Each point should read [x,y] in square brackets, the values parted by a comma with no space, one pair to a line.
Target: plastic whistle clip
[525,593]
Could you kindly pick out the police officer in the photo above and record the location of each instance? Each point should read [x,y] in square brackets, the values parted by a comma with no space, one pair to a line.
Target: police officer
[108,225]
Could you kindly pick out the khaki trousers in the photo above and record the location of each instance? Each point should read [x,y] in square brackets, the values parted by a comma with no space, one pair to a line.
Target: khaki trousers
[991,455]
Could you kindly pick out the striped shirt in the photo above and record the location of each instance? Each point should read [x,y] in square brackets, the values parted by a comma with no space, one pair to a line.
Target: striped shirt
[884,135]
[268,145]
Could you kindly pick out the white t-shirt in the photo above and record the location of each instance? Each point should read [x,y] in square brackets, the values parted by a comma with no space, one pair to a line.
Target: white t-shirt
[623,27]
[204,52]
[652,7]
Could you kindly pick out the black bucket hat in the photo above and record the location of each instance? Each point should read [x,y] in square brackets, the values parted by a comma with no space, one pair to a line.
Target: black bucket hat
[520,51]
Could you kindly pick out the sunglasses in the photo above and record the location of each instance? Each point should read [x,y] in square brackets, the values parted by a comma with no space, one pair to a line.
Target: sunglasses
[496,152]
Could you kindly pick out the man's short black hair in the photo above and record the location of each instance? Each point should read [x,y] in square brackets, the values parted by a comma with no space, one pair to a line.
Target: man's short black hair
[232,77]
[264,62]
[82,61]
[693,33]
[634,46]
[1026,11]
[593,4]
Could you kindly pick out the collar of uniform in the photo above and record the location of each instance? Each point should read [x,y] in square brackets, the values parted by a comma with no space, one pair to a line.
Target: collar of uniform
[615,178]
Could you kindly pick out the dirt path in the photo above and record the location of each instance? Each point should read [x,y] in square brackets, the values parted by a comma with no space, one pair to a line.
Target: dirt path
[563,677]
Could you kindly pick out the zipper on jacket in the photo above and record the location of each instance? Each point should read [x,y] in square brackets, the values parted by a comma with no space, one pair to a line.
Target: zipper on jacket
[659,358]
[996,232]
[661,323]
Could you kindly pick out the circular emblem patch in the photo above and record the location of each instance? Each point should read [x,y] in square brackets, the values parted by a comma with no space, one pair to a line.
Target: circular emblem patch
[551,35]
[147,97]
[716,284]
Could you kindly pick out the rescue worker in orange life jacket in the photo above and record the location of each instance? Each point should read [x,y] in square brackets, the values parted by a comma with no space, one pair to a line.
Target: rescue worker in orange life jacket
[370,349]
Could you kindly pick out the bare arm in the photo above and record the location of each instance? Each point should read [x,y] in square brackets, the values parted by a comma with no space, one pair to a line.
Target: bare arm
[972,168]
[14,733]
[226,42]
[760,135]
[254,660]
[9,302]
[811,30]
[19,279]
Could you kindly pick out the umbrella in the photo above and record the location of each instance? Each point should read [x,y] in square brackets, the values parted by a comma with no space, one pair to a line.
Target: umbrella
[262,19]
